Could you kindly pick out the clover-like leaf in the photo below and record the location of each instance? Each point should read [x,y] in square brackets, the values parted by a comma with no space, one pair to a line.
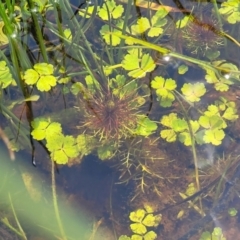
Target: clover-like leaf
[110,8]
[167,120]
[87,12]
[151,235]
[182,69]
[137,216]
[138,65]
[164,88]
[211,122]
[153,28]
[85,144]
[145,126]
[152,220]
[44,68]
[62,148]
[45,83]
[138,228]
[5,75]
[31,76]
[169,135]
[136,237]
[43,128]
[193,92]
[179,125]
[110,39]
[206,236]
[124,237]
[214,136]
[230,114]
[230,9]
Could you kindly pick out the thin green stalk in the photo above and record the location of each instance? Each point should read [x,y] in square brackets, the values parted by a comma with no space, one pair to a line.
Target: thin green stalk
[38,32]
[55,203]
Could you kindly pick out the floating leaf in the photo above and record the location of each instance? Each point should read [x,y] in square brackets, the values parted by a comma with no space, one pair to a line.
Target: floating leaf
[214,136]
[110,9]
[5,76]
[169,135]
[43,128]
[182,22]
[106,151]
[138,228]
[230,9]
[151,235]
[145,126]
[182,69]
[45,83]
[62,148]
[138,65]
[164,88]
[137,216]
[193,92]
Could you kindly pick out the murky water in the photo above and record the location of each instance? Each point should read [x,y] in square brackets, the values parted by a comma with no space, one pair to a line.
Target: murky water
[123,118]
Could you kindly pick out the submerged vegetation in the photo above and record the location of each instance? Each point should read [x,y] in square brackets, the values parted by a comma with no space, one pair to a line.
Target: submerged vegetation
[96,80]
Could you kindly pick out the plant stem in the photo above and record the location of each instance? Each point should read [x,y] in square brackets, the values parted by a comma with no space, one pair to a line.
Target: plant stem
[55,203]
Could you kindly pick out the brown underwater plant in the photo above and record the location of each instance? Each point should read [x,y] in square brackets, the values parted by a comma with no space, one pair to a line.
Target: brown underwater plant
[111,116]
[200,36]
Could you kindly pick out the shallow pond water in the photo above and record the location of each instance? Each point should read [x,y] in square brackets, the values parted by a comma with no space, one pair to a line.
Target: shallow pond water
[119,120]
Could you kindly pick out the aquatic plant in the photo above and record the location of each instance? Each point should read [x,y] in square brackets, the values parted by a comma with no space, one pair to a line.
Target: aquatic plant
[142,219]
[216,234]
[202,35]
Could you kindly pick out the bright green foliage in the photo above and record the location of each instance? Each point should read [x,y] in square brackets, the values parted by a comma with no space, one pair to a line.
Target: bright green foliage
[142,220]
[110,39]
[110,9]
[87,12]
[138,64]
[182,69]
[124,237]
[92,84]
[145,126]
[5,76]
[106,151]
[153,26]
[164,90]
[168,134]
[3,37]
[232,212]
[213,125]
[191,189]
[41,75]
[67,33]
[182,22]
[230,9]
[62,148]
[193,92]
[85,144]
[216,235]
[44,128]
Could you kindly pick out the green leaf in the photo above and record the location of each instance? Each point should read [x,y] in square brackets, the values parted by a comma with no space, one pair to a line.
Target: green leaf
[182,22]
[110,39]
[46,82]
[145,126]
[142,25]
[193,92]
[164,90]
[206,236]
[169,135]
[85,144]
[87,12]
[62,148]
[214,136]
[182,69]
[136,237]
[138,65]
[232,212]
[211,122]
[110,9]
[138,228]
[167,120]
[43,128]
[31,76]
[179,125]
[151,235]
[152,221]
[124,237]
[44,68]
[137,216]
[5,75]
[230,114]
[230,9]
